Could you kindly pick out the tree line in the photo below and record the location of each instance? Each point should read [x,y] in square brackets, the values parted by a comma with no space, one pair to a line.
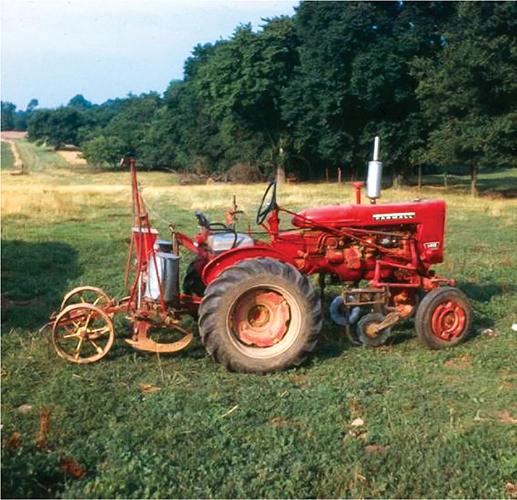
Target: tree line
[436,80]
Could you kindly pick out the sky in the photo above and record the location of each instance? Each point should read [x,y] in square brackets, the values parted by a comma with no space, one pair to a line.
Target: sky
[52,50]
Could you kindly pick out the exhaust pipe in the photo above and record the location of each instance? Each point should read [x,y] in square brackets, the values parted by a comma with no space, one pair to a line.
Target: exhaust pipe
[373,183]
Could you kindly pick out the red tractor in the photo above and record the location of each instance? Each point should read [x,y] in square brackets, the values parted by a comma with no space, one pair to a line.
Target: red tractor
[257,309]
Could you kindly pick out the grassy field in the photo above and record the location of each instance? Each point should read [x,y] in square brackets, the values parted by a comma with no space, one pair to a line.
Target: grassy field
[7,157]
[435,424]
[37,158]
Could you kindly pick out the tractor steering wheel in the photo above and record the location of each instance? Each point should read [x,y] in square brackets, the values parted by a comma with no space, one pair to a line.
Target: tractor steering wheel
[263,210]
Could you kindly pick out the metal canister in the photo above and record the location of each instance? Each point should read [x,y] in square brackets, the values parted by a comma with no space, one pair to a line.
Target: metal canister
[167,265]
[163,246]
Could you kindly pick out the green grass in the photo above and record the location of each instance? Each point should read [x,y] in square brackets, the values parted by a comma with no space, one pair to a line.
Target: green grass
[500,183]
[7,161]
[210,433]
[39,157]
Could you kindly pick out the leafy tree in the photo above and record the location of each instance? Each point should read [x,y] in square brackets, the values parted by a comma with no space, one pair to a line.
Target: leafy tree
[32,105]
[323,115]
[56,127]
[8,115]
[468,94]
[132,121]
[38,126]
[97,117]
[79,102]
[242,81]
[435,80]
[183,133]
[354,81]
[126,126]
[20,120]
[102,150]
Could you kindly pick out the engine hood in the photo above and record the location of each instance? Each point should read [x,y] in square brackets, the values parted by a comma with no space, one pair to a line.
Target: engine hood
[370,215]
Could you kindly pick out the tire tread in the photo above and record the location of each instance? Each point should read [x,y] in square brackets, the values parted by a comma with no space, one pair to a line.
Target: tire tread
[253,268]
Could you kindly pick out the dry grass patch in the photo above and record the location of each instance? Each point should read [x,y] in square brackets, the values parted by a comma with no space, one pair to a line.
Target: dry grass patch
[61,191]
[58,202]
[73,157]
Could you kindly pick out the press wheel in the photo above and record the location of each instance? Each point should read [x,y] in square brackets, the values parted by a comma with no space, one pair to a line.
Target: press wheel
[82,333]
[86,294]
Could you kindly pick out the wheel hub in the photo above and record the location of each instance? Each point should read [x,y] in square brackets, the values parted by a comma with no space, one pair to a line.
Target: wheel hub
[372,330]
[448,320]
[258,316]
[368,332]
[83,333]
[261,318]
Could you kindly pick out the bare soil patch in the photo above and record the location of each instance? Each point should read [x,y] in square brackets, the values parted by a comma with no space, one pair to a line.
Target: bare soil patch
[12,135]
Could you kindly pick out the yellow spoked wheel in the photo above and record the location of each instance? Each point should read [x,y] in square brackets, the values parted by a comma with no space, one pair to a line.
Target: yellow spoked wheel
[82,333]
[86,295]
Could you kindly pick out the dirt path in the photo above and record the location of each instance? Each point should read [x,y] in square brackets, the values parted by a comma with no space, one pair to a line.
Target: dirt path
[17,163]
[10,137]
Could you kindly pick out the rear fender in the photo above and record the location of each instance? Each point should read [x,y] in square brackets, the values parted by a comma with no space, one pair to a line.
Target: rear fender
[228,259]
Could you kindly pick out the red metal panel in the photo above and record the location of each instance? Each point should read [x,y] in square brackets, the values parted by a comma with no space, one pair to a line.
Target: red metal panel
[428,216]
[232,257]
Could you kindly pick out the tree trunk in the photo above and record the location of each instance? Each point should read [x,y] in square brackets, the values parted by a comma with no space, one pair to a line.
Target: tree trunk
[474,170]
[396,179]
[445,180]
[280,174]
[280,166]
[419,177]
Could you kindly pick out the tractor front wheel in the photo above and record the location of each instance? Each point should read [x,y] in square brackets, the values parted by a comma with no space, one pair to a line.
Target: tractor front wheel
[260,316]
[443,318]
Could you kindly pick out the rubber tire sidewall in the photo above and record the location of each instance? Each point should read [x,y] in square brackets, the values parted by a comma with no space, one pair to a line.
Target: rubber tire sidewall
[236,281]
[424,313]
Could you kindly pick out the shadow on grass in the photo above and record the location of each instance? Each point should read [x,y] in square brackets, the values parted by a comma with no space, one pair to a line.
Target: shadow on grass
[35,277]
[30,473]
[504,186]
[485,292]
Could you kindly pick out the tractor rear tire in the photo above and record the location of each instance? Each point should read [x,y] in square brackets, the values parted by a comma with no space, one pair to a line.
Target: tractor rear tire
[260,316]
[443,318]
